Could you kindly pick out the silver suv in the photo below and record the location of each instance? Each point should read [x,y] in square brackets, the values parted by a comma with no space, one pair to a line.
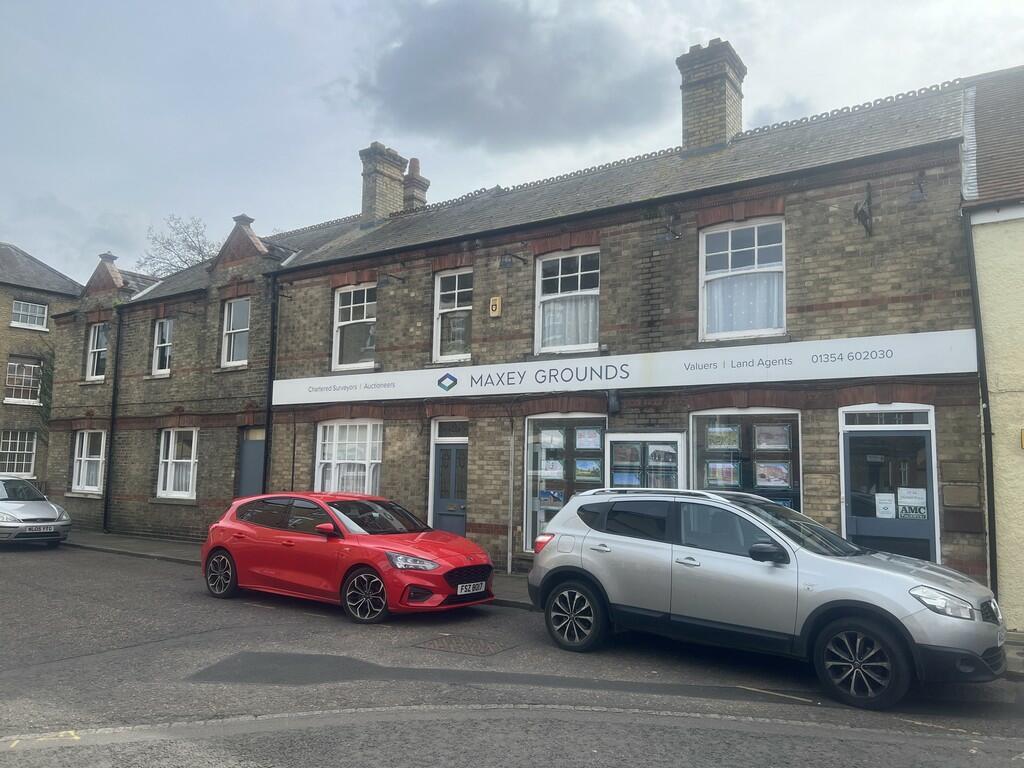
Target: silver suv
[738,570]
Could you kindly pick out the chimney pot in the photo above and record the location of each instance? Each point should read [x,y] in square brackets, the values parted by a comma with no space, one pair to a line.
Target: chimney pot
[243,220]
[712,80]
[108,256]
[383,181]
[414,187]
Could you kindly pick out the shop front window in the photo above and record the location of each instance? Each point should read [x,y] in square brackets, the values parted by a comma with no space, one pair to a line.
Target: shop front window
[749,452]
[563,456]
[645,460]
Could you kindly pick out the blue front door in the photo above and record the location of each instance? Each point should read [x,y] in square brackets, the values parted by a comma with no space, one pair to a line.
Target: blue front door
[451,465]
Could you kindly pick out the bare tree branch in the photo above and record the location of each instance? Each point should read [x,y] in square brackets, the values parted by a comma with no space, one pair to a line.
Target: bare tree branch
[182,244]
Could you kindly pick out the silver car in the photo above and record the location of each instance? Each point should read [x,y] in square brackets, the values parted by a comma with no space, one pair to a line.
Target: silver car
[738,570]
[26,515]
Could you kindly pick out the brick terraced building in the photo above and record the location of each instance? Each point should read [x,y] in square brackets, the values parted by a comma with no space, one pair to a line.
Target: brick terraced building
[786,311]
[31,293]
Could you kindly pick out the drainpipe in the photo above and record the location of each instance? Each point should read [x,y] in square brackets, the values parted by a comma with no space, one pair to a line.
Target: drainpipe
[986,411]
[108,481]
[271,367]
[511,486]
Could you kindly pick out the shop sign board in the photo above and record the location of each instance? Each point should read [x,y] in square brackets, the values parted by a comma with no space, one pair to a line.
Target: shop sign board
[911,354]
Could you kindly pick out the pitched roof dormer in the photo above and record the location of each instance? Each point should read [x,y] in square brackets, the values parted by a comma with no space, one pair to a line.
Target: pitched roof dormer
[107,278]
[241,245]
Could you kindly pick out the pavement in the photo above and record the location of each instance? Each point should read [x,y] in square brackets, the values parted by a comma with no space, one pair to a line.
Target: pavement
[509,590]
[123,661]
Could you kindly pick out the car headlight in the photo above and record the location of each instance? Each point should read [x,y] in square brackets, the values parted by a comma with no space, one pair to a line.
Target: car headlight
[410,563]
[62,514]
[943,603]
[6,518]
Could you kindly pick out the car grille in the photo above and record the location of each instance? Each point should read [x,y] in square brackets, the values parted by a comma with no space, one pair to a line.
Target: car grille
[38,519]
[988,612]
[459,599]
[995,658]
[468,574]
[38,536]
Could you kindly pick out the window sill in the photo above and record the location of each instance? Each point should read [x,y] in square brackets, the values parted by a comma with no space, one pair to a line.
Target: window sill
[173,501]
[15,401]
[83,495]
[569,353]
[92,382]
[156,376]
[30,327]
[741,341]
[449,363]
[361,368]
[231,368]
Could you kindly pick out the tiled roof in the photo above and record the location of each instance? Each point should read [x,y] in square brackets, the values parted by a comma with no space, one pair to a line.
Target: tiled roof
[136,281]
[19,268]
[194,278]
[999,132]
[887,125]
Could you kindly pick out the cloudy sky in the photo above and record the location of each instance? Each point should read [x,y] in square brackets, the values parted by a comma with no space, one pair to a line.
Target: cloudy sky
[115,114]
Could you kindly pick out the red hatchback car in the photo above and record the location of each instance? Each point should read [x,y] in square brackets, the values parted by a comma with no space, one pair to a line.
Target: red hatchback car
[365,552]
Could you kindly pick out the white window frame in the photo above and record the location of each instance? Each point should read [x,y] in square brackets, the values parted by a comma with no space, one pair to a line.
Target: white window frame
[539,299]
[157,346]
[435,440]
[928,427]
[336,364]
[369,462]
[45,327]
[528,545]
[754,411]
[227,332]
[676,438]
[23,400]
[705,278]
[80,461]
[166,463]
[438,357]
[94,352]
[15,436]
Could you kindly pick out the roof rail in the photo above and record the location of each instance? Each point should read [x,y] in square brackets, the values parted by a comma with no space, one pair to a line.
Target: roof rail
[667,491]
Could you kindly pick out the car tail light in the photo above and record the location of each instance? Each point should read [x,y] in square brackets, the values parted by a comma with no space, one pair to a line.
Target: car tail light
[542,541]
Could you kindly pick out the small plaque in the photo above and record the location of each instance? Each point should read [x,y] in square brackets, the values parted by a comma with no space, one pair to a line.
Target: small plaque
[494,308]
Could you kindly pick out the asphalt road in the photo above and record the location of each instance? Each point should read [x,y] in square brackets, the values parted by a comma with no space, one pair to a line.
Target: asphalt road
[117,661]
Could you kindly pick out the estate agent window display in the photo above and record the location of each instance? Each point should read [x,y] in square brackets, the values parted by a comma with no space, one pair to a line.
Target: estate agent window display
[753,453]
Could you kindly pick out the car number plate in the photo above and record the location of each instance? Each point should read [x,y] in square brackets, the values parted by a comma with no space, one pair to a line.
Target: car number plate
[469,589]
[39,529]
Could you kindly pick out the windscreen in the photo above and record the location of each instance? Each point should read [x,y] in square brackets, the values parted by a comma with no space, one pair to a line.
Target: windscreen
[19,490]
[800,529]
[377,517]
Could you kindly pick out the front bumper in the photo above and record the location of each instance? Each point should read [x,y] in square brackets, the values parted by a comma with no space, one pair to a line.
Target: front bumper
[18,532]
[426,591]
[955,665]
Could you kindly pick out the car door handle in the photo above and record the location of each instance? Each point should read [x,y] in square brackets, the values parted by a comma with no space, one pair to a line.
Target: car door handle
[602,548]
[287,543]
[689,562]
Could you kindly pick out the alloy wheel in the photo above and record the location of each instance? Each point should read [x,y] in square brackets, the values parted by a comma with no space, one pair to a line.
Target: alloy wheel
[858,664]
[365,596]
[572,616]
[218,574]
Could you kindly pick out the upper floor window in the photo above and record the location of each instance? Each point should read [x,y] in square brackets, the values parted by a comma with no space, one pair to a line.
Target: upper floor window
[163,332]
[24,380]
[453,315]
[348,455]
[17,452]
[87,472]
[25,314]
[96,360]
[355,321]
[178,462]
[235,346]
[743,280]
[568,294]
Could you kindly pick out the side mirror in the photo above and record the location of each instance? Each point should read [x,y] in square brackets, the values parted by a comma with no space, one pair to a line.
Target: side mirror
[327,529]
[768,552]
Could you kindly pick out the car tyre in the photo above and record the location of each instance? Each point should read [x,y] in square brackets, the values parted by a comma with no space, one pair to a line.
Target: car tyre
[364,596]
[862,663]
[221,574]
[576,617]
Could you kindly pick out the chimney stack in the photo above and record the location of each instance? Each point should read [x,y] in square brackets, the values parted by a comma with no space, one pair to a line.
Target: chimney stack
[383,187]
[712,94]
[415,187]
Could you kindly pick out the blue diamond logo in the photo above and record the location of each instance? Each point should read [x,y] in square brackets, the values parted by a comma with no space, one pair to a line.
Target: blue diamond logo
[447,382]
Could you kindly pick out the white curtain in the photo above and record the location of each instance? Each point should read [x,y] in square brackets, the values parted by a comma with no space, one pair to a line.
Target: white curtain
[569,320]
[750,302]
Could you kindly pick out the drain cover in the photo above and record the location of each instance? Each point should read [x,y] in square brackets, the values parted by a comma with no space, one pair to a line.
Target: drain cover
[469,646]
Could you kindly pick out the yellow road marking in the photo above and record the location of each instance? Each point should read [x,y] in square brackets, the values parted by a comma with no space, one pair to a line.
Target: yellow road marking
[61,736]
[773,693]
[14,743]
[260,605]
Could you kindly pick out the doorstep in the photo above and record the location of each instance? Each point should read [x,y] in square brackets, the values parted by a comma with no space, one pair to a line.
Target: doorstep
[509,591]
